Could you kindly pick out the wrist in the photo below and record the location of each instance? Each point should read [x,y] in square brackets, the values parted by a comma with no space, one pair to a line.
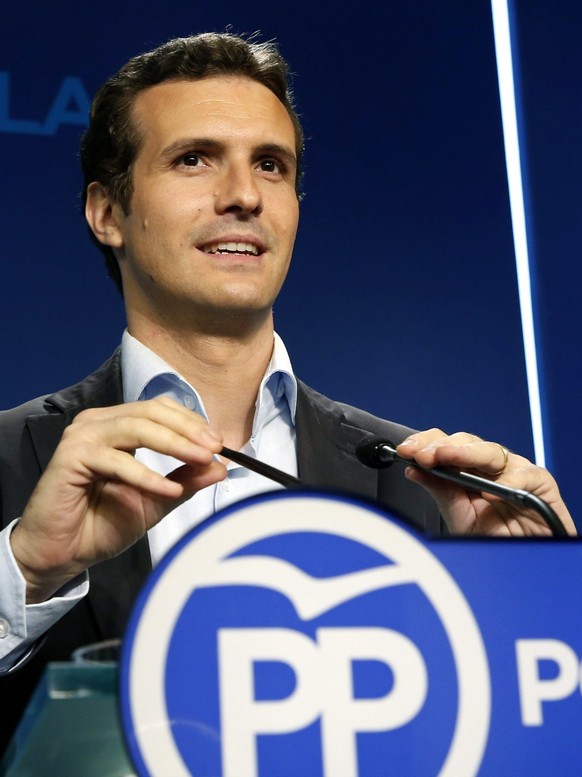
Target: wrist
[42,579]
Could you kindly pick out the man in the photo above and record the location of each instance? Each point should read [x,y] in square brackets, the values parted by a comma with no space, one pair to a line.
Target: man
[191,164]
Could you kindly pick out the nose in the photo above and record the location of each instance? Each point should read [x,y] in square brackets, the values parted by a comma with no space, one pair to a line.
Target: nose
[238,191]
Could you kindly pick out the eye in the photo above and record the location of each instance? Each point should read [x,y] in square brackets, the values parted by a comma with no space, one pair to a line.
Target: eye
[190,160]
[271,166]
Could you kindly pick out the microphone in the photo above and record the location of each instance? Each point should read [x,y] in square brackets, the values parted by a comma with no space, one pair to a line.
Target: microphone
[379,453]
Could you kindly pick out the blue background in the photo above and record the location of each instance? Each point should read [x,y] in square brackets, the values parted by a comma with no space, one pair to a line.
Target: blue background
[402,298]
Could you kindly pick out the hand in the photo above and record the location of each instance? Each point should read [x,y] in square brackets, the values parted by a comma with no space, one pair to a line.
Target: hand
[472,513]
[95,500]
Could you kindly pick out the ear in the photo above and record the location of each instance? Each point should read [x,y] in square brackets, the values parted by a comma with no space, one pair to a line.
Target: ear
[103,216]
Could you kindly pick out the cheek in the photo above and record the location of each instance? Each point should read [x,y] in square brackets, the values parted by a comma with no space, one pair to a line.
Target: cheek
[289,219]
[165,226]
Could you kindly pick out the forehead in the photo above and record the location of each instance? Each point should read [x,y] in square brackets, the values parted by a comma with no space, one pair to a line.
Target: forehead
[224,106]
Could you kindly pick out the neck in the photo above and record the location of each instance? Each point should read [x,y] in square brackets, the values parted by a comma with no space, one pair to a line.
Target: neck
[225,368]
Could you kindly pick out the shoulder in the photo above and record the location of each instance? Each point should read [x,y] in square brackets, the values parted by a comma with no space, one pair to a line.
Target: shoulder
[100,388]
[342,414]
[328,433]
[43,419]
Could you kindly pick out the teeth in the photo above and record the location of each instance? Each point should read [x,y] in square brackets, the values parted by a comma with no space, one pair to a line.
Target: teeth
[237,248]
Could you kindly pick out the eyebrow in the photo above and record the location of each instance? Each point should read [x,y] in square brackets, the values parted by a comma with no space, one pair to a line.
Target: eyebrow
[182,145]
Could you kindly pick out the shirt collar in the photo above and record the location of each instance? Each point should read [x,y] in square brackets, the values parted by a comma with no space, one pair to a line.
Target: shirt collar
[146,375]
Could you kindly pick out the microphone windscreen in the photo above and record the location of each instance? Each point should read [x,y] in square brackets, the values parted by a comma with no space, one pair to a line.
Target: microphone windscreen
[374,452]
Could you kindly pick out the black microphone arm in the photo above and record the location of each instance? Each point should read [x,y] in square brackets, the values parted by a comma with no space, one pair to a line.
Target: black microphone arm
[261,468]
[378,453]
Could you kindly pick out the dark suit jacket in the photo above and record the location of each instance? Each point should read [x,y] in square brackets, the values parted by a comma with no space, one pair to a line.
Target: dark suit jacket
[327,433]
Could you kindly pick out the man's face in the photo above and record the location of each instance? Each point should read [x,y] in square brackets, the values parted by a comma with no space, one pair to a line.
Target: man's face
[214,211]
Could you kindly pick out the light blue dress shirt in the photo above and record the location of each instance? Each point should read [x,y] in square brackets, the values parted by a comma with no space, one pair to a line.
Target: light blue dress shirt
[146,376]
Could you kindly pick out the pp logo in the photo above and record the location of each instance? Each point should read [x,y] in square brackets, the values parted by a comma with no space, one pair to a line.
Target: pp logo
[305,635]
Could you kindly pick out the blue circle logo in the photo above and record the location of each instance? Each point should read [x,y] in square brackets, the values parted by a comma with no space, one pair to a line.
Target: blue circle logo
[307,635]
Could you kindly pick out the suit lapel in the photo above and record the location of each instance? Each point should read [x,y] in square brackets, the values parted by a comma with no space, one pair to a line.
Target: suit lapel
[101,389]
[45,433]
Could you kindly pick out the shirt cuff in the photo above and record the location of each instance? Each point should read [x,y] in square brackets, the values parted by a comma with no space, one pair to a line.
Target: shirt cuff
[21,624]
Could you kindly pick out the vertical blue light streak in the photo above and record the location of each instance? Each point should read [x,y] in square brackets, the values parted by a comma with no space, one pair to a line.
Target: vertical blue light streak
[503,53]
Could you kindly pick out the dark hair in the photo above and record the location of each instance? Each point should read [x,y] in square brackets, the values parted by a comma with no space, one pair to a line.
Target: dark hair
[112,142]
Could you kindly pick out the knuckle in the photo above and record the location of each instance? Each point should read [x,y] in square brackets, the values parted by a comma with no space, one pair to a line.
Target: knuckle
[71,433]
[85,416]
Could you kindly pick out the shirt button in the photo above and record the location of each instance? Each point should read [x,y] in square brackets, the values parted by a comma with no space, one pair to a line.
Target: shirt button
[226,484]
[4,628]
[189,401]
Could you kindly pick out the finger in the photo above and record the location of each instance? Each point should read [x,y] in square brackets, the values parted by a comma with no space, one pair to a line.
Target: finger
[130,433]
[193,479]
[428,441]
[478,513]
[489,458]
[415,442]
[135,408]
[454,504]
[111,464]
[163,411]
[459,450]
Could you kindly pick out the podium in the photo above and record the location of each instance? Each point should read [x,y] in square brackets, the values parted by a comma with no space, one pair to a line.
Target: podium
[312,635]
[71,727]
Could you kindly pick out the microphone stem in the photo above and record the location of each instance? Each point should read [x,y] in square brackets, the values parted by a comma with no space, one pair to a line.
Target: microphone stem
[261,468]
[465,479]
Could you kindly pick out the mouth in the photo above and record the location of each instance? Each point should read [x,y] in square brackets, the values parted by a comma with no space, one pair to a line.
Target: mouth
[233,247]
